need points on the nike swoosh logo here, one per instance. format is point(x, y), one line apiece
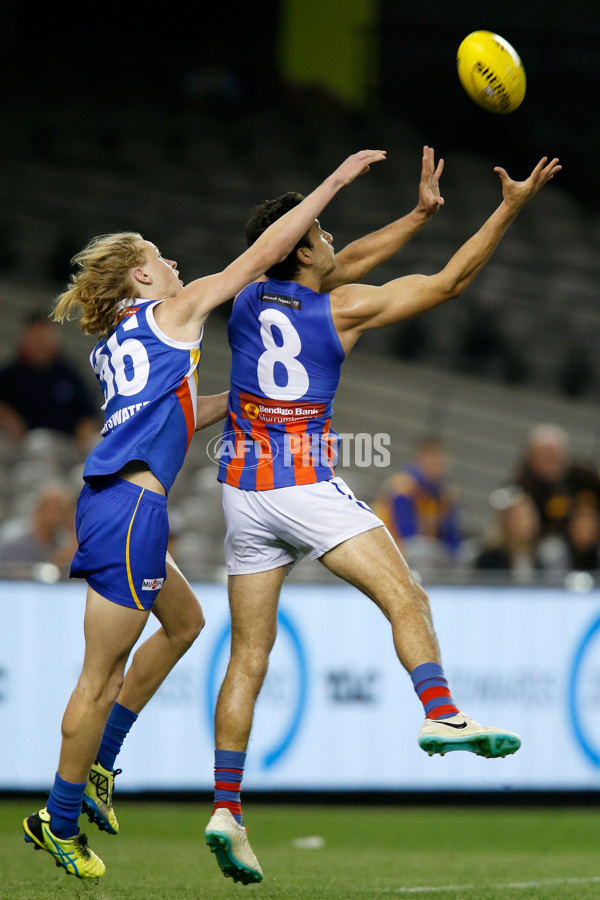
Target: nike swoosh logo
point(453, 724)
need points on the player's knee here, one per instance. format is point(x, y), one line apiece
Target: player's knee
point(409, 599)
point(192, 627)
point(419, 594)
point(96, 693)
point(250, 661)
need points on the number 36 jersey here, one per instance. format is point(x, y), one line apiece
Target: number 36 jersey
point(286, 366)
point(150, 386)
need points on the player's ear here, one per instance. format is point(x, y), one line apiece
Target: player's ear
point(304, 255)
point(140, 276)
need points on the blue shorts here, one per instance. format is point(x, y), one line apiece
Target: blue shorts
point(122, 532)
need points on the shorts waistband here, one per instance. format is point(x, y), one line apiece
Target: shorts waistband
point(103, 482)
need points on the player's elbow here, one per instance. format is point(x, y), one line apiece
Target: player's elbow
point(448, 287)
point(440, 289)
point(271, 252)
point(455, 289)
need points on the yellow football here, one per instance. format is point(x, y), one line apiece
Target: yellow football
point(491, 72)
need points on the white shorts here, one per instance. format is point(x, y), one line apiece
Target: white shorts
point(267, 529)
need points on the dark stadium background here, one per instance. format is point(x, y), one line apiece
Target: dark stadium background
point(89, 61)
point(94, 58)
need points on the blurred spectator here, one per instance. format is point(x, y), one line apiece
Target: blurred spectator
point(555, 482)
point(513, 543)
point(583, 539)
point(419, 507)
point(49, 534)
point(41, 389)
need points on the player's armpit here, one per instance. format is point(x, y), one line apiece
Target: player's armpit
point(357, 308)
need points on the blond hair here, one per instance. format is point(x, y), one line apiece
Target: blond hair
point(102, 281)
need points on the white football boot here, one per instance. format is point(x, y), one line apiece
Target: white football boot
point(459, 732)
point(228, 840)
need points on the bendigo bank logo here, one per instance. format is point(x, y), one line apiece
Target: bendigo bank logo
point(276, 412)
point(251, 410)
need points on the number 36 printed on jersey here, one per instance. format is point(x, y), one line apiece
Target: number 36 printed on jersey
point(122, 368)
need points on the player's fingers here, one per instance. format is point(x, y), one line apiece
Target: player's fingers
point(553, 165)
point(370, 155)
point(553, 172)
point(376, 156)
point(540, 166)
point(440, 168)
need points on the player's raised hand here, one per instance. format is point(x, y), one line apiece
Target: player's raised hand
point(430, 199)
point(357, 164)
point(517, 193)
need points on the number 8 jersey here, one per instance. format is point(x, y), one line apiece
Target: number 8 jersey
point(150, 386)
point(286, 366)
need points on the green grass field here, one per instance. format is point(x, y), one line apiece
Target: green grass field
point(368, 853)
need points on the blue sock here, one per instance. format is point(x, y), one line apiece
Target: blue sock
point(432, 689)
point(229, 771)
point(116, 730)
point(64, 806)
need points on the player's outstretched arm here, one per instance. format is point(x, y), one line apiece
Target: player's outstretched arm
point(360, 257)
point(358, 308)
point(211, 409)
point(195, 301)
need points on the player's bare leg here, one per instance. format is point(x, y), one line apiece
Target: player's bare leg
point(253, 601)
point(372, 562)
point(180, 615)
point(110, 633)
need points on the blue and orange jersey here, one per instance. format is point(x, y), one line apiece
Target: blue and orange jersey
point(150, 387)
point(286, 366)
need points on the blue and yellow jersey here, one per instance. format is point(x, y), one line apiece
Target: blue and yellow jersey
point(150, 387)
point(286, 366)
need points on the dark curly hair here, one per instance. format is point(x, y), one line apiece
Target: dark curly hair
point(264, 215)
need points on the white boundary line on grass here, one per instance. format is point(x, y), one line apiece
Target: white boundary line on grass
point(511, 885)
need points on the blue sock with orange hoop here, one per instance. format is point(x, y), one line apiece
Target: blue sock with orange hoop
point(229, 771)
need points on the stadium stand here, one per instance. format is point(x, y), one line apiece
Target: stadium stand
point(517, 349)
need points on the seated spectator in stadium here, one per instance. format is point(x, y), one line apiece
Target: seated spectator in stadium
point(513, 543)
point(41, 389)
point(583, 539)
point(419, 507)
point(49, 536)
point(554, 480)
